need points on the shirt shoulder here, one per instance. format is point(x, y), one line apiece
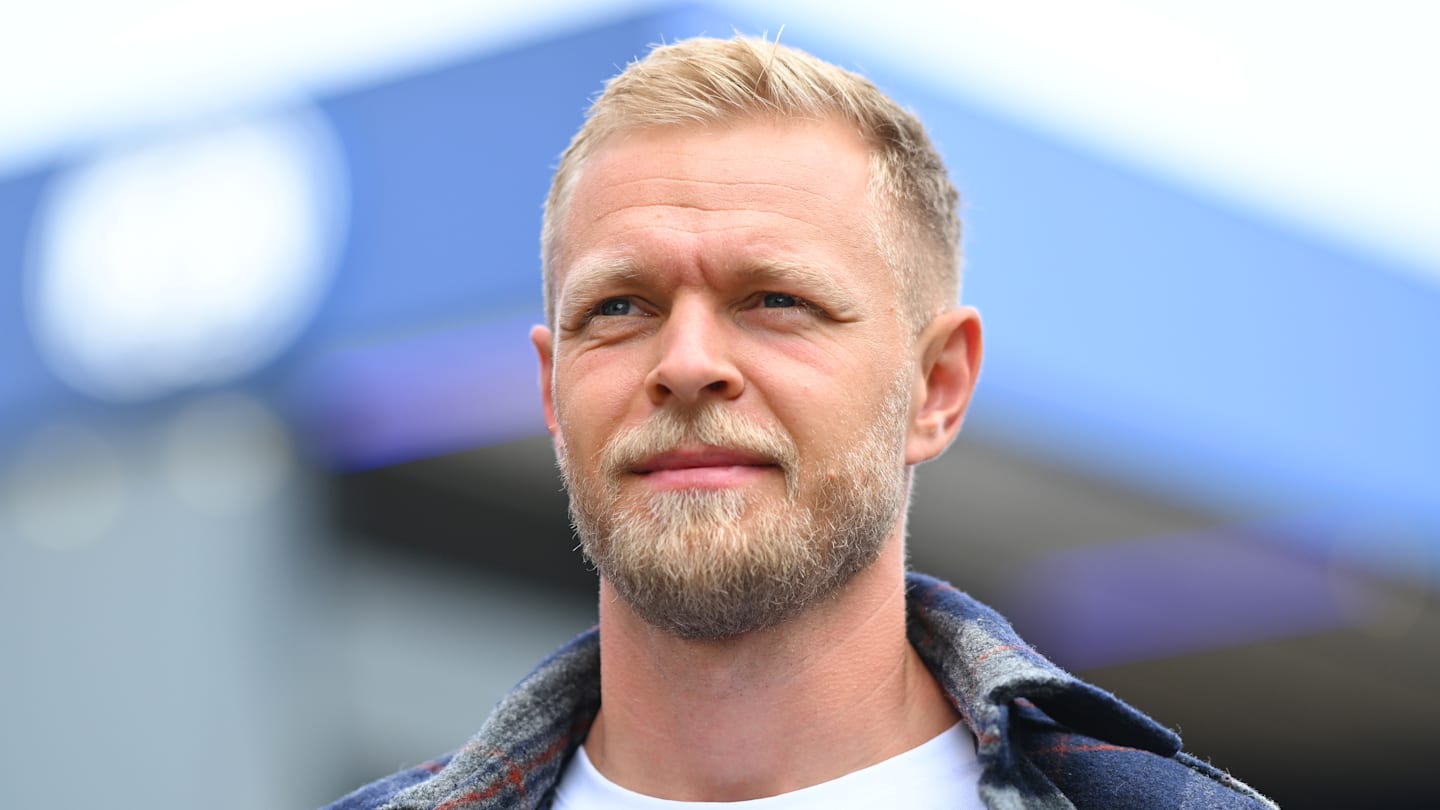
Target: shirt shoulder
point(1093, 773)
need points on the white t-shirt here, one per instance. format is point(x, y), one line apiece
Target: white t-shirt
point(941, 774)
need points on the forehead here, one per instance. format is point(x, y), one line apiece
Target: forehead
point(800, 152)
point(758, 185)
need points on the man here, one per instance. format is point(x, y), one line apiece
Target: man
point(750, 269)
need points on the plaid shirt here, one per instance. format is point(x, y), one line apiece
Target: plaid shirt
point(1045, 739)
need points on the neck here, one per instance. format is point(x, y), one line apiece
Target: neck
point(834, 690)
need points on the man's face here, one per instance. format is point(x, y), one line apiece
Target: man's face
point(731, 370)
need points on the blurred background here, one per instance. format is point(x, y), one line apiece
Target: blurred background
point(277, 511)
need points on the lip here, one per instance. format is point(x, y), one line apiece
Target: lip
point(698, 457)
point(703, 468)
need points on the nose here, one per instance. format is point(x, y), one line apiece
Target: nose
point(695, 361)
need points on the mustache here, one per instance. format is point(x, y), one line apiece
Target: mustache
point(711, 425)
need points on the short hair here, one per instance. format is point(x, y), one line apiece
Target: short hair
point(707, 81)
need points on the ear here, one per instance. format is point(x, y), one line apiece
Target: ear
point(545, 347)
point(949, 353)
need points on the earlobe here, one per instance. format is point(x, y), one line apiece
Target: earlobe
point(545, 348)
point(949, 353)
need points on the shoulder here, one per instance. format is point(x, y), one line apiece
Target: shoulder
point(1041, 731)
point(379, 793)
point(1093, 773)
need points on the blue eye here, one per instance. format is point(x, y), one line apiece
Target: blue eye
point(614, 306)
point(780, 301)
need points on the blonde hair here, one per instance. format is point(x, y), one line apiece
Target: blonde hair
point(706, 81)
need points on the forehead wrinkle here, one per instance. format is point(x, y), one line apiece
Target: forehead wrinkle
point(737, 187)
point(803, 210)
point(618, 197)
point(745, 219)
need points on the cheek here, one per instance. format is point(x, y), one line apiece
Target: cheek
point(592, 397)
point(826, 407)
point(806, 401)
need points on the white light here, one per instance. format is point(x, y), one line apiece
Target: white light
point(185, 261)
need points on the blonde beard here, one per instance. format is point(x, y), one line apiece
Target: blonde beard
point(714, 564)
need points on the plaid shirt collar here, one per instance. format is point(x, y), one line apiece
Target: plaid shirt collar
point(988, 672)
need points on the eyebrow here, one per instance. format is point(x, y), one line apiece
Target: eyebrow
point(585, 282)
point(808, 281)
point(594, 278)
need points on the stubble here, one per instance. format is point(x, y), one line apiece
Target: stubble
point(714, 564)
